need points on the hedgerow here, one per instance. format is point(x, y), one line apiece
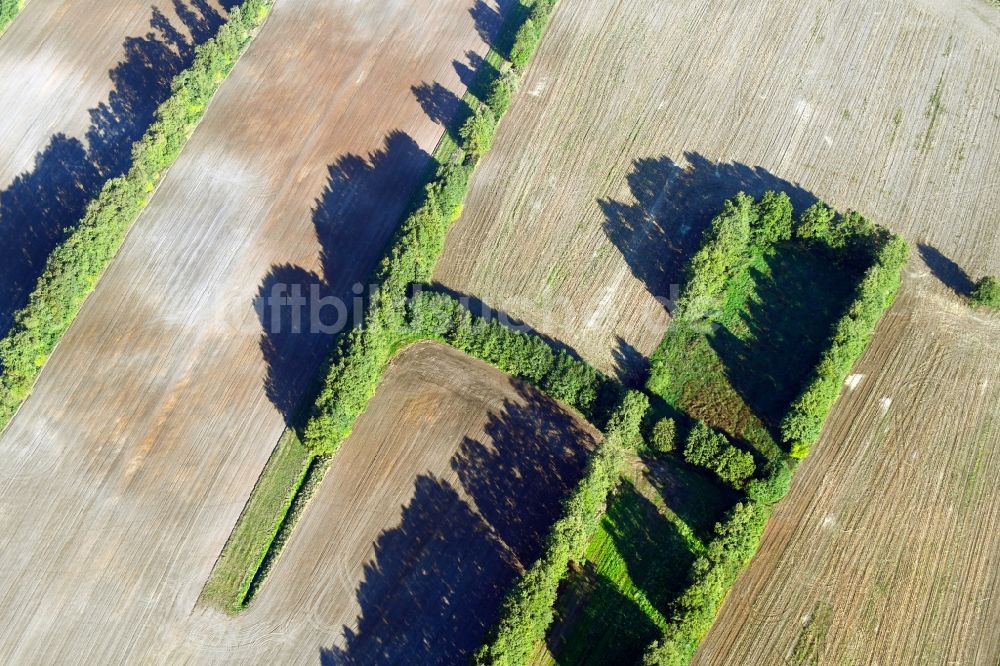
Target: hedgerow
point(803, 424)
point(74, 266)
point(708, 448)
point(528, 610)
point(734, 543)
point(361, 356)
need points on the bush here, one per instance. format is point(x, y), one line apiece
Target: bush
point(708, 448)
point(774, 219)
point(527, 610)
point(8, 10)
point(664, 437)
point(477, 132)
point(987, 293)
point(74, 267)
point(772, 489)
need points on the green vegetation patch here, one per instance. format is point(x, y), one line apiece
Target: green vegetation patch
point(8, 10)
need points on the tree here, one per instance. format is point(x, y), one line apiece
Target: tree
point(987, 293)
point(501, 92)
point(664, 438)
point(814, 224)
point(773, 488)
point(477, 132)
point(734, 466)
point(774, 219)
point(703, 445)
point(525, 42)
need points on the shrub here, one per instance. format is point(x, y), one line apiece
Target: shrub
point(774, 219)
point(773, 488)
point(8, 10)
point(527, 610)
point(477, 132)
point(664, 437)
point(987, 293)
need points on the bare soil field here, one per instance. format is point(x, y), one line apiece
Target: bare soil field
point(442, 494)
point(127, 468)
point(886, 549)
point(80, 84)
point(638, 120)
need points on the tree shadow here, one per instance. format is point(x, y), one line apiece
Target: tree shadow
point(442, 106)
point(697, 498)
point(946, 270)
point(300, 311)
point(39, 207)
point(772, 347)
point(533, 454)
point(498, 25)
point(434, 588)
point(630, 365)
point(438, 579)
point(661, 229)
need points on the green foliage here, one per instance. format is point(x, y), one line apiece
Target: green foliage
point(664, 437)
point(361, 356)
point(8, 10)
point(527, 610)
point(774, 219)
point(803, 424)
point(501, 93)
point(772, 489)
point(525, 42)
point(567, 379)
point(987, 293)
point(74, 266)
point(735, 541)
point(477, 132)
point(708, 448)
point(814, 224)
point(725, 251)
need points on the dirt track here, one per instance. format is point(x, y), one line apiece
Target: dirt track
point(639, 119)
point(444, 490)
point(125, 471)
point(80, 83)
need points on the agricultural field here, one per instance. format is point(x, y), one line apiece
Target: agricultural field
point(438, 499)
point(80, 84)
point(614, 165)
point(152, 420)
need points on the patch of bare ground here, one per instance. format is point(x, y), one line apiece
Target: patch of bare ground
point(441, 496)
point(126, 469)
point(638, 120)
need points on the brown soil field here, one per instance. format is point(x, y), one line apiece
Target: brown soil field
point(80, 84)
point(638, 120)
point(127, 468)
point(442, 494)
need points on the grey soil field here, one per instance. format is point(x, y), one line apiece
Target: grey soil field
point(127, 468)
point(442, 494)
point(636, 122)
point(80, 83)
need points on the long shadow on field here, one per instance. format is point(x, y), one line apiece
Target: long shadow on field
point(40, 206)
point(946, 270)
point(442, 106)
point(301, 310)
point(489, 20)
point(650, 552)
point(437, 580)
point(659, 229)
point(798, 299)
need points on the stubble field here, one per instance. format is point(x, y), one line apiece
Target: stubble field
point(635, 124)
point(128, 466)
